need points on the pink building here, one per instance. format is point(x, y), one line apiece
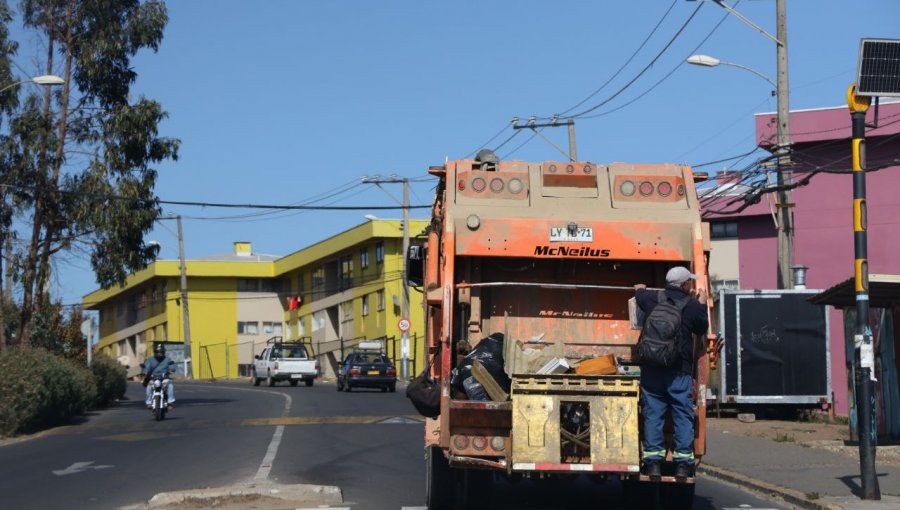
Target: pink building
point(744, 253)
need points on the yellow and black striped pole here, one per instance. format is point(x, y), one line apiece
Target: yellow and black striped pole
point(864, 353)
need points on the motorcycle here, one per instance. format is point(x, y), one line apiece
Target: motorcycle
point(159, 401)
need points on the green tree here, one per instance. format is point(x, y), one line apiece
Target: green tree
point(8, 101)
point(80, 156)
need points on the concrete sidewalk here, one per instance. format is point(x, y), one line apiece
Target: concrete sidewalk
point(807, 477)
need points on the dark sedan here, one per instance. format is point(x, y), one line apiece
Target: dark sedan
point(362, 369)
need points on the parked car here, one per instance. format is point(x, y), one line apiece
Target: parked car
point(367, 368)
point(284, 361)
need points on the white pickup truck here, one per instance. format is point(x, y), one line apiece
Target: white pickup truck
point(284, 361)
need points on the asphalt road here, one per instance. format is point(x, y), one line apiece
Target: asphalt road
point(366, 442)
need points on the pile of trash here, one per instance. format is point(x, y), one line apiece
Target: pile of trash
point(482, 374)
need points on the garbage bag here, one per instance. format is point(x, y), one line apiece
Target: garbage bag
point(475, 390)
point(490, 353)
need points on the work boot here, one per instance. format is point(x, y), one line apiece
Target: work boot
point(684, 470)
point(652, 468)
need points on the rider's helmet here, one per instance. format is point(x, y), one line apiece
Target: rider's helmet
point(159, 351)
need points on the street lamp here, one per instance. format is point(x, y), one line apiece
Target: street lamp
point(46, 79)
point(707, 61)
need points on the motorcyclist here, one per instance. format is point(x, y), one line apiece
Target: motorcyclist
point(159, 364)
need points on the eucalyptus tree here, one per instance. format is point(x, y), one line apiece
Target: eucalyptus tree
point(81, 155)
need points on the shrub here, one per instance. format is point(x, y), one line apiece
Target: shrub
point(39, 389)
point(110, 378)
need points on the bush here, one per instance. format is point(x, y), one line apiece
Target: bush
point(39, 389)
point(110, 378)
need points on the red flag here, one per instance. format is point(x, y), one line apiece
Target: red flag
point(293, 303)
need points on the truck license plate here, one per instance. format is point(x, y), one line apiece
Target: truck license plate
point(296, 376)
point(563, 234)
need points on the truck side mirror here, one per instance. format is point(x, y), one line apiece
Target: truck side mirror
point(257, 356)
point(415, 265)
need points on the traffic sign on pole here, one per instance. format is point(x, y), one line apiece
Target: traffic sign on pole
point(403, 324)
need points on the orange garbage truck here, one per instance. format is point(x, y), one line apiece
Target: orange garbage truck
point(528, 281)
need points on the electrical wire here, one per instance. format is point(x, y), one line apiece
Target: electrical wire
point(633, 55)
point(644, 70)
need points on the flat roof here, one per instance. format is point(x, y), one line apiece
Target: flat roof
point(884, 292)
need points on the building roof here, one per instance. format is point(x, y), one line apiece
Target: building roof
point(884, 292)
point(257, 265)
point(825, 124)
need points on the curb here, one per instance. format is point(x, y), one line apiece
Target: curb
point(286, 494)
point(792, 496)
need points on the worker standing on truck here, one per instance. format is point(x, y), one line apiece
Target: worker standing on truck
point(670, 385)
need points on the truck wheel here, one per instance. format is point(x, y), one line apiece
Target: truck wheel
point(270, 381)
point(438, 480)
point(253, 378)
point(473, 489)
point(309, 382)
point(678, 496)
point(294, 383)
point(641, 495)
point(340, 387)
point(392, 388)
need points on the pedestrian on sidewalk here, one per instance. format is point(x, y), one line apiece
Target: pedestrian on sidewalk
point(666, 381)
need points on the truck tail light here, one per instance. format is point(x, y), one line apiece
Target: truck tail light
point(648, 188)
point(275, 366)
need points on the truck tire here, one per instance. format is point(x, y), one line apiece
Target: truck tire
point(294, 382)
point(253, 378)
point(678, 496)
point(439, 486)
point(269, 380)
point(473, 489)
point(309, 382)
point(641, 495)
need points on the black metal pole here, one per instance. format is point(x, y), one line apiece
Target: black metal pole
point(864, 353)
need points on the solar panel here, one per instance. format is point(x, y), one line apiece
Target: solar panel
point(878, 72)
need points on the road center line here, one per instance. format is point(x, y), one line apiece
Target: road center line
point(265, 466)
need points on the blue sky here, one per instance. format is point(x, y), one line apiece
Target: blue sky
point(279, 101)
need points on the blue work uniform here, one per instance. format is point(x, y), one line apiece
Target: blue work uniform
point(664, 388)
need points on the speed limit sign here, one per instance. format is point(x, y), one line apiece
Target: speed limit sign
point(403, 324)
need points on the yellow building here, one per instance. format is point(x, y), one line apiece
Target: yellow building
point(331, 294)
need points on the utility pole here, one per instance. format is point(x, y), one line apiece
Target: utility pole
point(188, 373)
point(404, 336)
point(404, 309)
point(783, 150)
point(864, 346)
point(785, 174)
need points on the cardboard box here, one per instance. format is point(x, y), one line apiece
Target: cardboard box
point(604, 365)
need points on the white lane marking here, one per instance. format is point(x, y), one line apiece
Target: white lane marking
point(399, 420)
point(78, 467)
point(265, 467)
point(413, 508)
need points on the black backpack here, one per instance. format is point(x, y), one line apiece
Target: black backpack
point(658, 344)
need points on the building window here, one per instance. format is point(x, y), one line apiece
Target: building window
point(379, 297)
point(248, 285)
point(301, 327)
point(346, 272)
point(318, 278)
point(318, 320)
point(248, 328)
point(347, 310)
point(272, 328)
point(365, 305)
point(723, 229)
point(364, 258)
point(379, 252)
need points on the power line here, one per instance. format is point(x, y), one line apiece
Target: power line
point(644, 70)
point(216, 204)
point(616, 74)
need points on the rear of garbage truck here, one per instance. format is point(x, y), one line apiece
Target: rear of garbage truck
point(528, 280)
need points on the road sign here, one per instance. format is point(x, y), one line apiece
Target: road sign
point(403, 324)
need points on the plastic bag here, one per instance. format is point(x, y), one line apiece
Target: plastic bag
point(490, 353)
